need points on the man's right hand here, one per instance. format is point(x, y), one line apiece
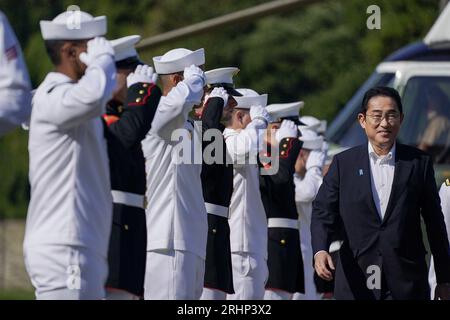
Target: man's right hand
point(288, 129)
point(259, 112)
point(194, 71)
point(96, 48)
point(218, 93)
point(316, 158)
point(142, 74)
point(323, 264)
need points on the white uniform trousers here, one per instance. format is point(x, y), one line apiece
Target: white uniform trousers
point(117, 294)
point(213, 294)
point(66, 272)
point(250, 274)
point(308, 269)
point(173, 275)
point(277, 295)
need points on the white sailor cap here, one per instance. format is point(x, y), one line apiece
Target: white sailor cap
point(311, 140)
point(73, 25)
point(322, 127)
point(222, 77)
point(280, 111)
point(124, 47)
point(176, 60)
point(250, 98)
point(309, 123)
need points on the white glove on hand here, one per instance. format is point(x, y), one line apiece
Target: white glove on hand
point(142, 74)
point(325, 147)
point(218, 93)
point(288, 129)
point(259, 112)
point(316, 158)
point(96, 48)
point(194, 71)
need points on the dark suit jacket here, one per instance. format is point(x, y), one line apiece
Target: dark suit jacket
point(394, 243)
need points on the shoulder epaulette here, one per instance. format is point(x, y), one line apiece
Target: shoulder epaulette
point(286, 147)
point(139, 93)
point(447, 182)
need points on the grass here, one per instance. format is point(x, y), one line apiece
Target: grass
point(16, 294)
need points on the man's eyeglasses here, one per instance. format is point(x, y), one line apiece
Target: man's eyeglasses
point(391, 118)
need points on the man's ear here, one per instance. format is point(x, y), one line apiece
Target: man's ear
point(240, 117)
point(70, 50)
point(177, 78)
point(362, 120)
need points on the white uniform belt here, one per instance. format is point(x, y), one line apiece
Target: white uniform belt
point(217, 210)
point(282, 223)
point(127, 198)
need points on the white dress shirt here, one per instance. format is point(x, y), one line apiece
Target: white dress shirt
point(381, 177)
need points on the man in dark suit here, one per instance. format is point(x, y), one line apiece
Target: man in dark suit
point(377, 193)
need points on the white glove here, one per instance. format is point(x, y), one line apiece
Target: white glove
point(325, 147)
point(218, 93)
point(142, 74)
point(194, 71)
point(259, 112)
point(288, 129)
point(96, 48)
point(316, 158)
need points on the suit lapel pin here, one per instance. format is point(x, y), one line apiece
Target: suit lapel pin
point(361, 172)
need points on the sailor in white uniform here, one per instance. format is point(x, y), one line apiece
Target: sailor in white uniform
point(69, 215)
point(444, 194)
point(248, 224)
point(176, 216)
point(307, 179)
point(15, 86)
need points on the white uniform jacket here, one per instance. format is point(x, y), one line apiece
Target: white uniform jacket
point(176, 214)
point(306, 190)
point(248, 222)
point(71, 200)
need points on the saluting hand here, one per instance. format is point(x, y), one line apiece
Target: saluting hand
point(218, 93)
point(142, 74)
point(323, 264)
point(259, 112)
point(96, 48)
point(194, 71)
point(288, 129)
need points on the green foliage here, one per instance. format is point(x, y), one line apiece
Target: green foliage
point(16, 295)
point(320, 54)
